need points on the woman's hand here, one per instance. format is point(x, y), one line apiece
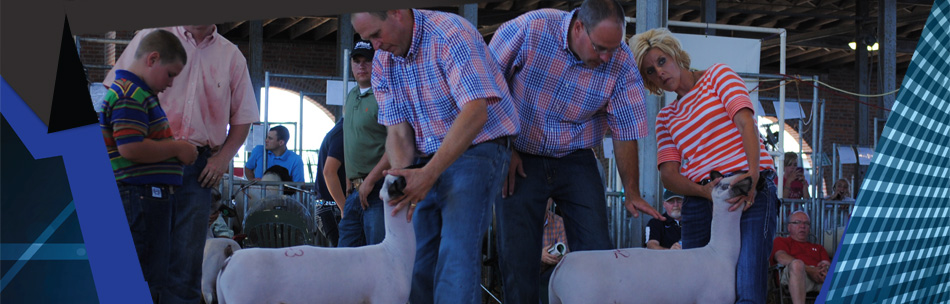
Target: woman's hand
point(745, 201)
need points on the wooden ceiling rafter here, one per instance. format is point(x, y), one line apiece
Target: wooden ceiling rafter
point(818, 30)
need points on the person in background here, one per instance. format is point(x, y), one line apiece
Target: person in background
point(796, 186)
point(554, 235)
point(806, 264)
point(666, 234)
point(331, 180)
point(365, 150)
point(277, 154)
point(842, 191)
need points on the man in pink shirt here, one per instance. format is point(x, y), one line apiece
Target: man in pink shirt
point(212, 106)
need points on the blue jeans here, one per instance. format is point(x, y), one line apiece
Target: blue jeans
point(757, 227)
point(362, 227)
point(450, 223)
point(191, 207)
point(574, 183)
point(149, 216)
point(328, 221)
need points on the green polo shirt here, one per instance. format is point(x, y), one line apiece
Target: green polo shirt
point(364, 139)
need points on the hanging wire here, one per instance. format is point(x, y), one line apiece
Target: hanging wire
point(831, 89)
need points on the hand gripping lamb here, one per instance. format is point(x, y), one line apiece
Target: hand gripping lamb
point(640, 275)
point(378, 273)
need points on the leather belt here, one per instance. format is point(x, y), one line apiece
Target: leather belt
point(356, 182)
point(170, 189)
point(503, 141)
point(207, 149)
point(759, 185)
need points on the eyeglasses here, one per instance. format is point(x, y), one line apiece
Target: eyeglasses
point(800, 223)
point(597, 48)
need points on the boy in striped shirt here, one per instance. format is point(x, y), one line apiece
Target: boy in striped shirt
point(146, 160)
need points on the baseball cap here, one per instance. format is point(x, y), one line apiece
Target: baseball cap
point(363, 48)
point(667, 195)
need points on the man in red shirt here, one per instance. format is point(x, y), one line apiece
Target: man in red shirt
point(806, 264)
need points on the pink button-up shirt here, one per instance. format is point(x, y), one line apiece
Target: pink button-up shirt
point(213, 89)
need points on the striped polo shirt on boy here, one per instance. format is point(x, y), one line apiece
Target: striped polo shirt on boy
point(697, 130)
point(131, 113)
point(447, 65)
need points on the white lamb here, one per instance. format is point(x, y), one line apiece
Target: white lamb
point(640, 275)
point(378, 273)
point(217, 250)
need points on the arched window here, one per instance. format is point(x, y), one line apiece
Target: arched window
point(284, 109)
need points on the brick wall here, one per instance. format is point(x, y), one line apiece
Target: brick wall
point(313, 59)
point(841, 114)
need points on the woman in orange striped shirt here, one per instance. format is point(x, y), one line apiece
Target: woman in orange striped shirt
point(710, 127)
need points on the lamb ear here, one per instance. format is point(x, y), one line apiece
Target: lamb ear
point(742, 187)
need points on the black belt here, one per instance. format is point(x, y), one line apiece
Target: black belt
point(170, 189)
point(504, 141)
point(759, 186)
point(204, 149)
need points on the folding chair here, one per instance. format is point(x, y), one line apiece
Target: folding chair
point(276, 228)
point(781, 292)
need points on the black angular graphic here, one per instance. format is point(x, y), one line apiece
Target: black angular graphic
point(72, 105)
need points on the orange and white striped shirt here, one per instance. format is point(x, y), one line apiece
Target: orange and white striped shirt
point(697, 130)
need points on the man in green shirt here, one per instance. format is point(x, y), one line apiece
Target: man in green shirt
point(364, 141)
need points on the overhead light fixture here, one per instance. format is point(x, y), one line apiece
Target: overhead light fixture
point(853, 46)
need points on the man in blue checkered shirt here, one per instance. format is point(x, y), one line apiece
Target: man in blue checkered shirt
point(445, 104)
point(571, 76)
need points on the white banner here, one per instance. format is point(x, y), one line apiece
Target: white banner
point(740, 54)
point(793, 110)
point(335, 93)
point(846, 155)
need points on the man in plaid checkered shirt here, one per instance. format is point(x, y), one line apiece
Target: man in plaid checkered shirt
point(571, 77)
point(445, 104)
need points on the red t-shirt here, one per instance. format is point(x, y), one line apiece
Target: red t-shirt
point(810, 254)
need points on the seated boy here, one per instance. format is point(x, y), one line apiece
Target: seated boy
point(146, 160)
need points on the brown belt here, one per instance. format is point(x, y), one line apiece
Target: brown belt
point(356, 182)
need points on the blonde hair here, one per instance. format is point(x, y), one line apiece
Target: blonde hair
point(662, 39)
